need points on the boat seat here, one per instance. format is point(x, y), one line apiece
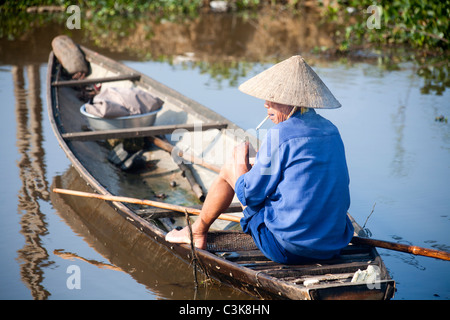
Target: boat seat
point(229, 241)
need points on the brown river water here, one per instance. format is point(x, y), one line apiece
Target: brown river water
point(398, 154)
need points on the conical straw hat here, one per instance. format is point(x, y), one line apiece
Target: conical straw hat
point(291, 82)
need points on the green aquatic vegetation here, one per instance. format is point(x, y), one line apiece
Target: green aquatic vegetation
point(409, 30)
point(420, 24)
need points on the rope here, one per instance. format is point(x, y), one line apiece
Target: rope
point(195, 260)
point(295, 109)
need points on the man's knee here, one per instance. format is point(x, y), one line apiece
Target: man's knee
point(227, 173)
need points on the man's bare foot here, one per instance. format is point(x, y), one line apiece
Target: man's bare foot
point(183, 236)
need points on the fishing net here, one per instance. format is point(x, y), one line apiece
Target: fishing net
point(229, 241)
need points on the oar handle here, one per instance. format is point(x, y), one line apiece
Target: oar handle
point(146, 202)
point(443, 255)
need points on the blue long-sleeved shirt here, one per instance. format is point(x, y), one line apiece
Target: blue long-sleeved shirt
point(300, 183)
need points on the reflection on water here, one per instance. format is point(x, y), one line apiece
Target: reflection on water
point(33, 255)
point(217, 38)
point(73, 256)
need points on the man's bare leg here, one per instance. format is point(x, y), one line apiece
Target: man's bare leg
point(217, 201)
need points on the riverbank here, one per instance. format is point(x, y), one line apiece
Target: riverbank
point(358, 24)
point(226, 45)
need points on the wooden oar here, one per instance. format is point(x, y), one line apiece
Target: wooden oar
point(403, 248)
point(151, 203)
point(355, 240)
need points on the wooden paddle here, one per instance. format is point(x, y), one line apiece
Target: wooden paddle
point(403, 248)
point(151, 203)
point(355, 240)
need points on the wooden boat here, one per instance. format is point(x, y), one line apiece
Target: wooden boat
point(231, 257)
point(125, 248)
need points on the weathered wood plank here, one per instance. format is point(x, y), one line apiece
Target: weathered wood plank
point(324, 278)
point(85, 82)
point(294, 271)
point(138, 132)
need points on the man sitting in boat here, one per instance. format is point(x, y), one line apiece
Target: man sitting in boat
point(296, 195)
